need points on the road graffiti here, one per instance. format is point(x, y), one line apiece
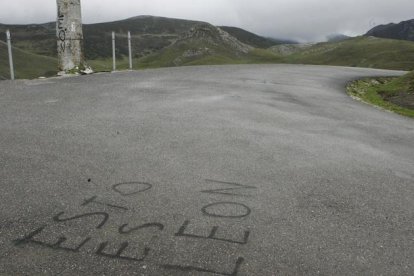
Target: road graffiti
point(120, 248)
point(212, 236)
point(131, 188)
point(93, 200)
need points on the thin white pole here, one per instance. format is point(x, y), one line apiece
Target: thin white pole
point(130, 50)
point(10, 55)
point(113, 52)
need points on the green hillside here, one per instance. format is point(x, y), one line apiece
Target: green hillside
point(356, 52)
point(27, 65)
point(160, 42)
point(35, 38)
point(206, 44)
point(149, 35)
point(359, 52)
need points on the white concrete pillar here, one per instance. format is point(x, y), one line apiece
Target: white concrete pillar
point(70, 37)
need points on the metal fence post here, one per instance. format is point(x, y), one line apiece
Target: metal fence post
point(130, 50)
point(10, 55)
point(113, 52)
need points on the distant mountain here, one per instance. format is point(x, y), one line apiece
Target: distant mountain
point(149, 35)
point(253, 39)
point(159, 42)
point(281, 41)
point(337, 37)
point(402, 31)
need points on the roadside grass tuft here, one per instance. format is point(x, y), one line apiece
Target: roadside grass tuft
point(379, 91)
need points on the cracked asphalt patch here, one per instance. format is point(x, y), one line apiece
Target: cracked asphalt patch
point(215, 170)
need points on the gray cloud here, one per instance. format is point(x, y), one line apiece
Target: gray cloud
point(305, 20)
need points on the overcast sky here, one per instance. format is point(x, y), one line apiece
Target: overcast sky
point(304, 20)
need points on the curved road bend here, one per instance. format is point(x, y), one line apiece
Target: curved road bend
point(221, 170)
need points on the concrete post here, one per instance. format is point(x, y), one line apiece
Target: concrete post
point(70, 37)
point(113, 52)
point(130, 50)
point(10, 55)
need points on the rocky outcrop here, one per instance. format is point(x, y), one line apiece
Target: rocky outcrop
point(403, 31)
point(210, 35)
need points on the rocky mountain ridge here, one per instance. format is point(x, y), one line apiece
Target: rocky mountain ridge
point(402, 31)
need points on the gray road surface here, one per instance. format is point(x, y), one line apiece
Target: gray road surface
point(221, 170)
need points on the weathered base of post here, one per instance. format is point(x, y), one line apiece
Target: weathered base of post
point(82, 70)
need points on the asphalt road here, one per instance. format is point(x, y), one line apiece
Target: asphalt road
point(221, 170)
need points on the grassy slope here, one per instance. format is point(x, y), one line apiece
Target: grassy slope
point(27, 65)
point(37, 38)
point(149, 33)
point(394, 94)
point(152, 35)
point(357, 52)
point(360, 52)
point(210, 50)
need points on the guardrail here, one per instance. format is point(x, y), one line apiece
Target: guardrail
point(114, 51)
point(10, 53)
